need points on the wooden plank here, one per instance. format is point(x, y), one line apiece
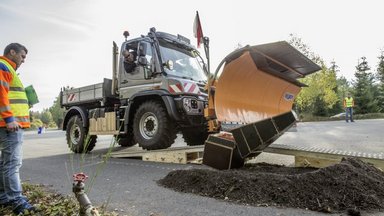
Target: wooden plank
point(181, 155)
point(171, 156)
point(303, 157)
point(92, 125)
point(318, 162)
point(135, 150)
point(104, 132)
point(322, 158)
point(103, 126)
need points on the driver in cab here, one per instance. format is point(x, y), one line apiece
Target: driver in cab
point(129, 61)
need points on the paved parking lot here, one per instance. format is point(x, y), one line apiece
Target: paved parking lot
point(129, 185)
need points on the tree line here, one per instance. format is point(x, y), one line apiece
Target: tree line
point(49, 118)
point(326, 90)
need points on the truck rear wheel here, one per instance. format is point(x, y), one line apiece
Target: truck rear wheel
point(152, 127)
point(77, 138)
point(194, 136)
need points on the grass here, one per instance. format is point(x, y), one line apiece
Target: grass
point(48, 202)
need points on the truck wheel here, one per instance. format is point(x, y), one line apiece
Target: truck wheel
point(194, 136)
point(152, 127)
point(77, 138)
point(126, 140)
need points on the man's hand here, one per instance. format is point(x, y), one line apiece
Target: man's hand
point(13, 126)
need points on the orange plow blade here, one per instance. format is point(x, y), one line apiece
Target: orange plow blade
point(260, 82)
point(252, 100)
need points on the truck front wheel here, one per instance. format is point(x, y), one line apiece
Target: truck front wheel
point(194, 136)
point(126, 140)
point(152, 127)
point(77, 138)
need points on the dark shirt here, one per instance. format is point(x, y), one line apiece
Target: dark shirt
point(129, 67)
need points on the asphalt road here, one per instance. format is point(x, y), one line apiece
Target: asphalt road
point(129, 186)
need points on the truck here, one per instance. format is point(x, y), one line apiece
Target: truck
point(171, 90)
point(165, 95)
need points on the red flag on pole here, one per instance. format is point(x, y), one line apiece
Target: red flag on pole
point(197, 30)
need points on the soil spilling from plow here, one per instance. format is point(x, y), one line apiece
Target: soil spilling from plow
point(351, 185)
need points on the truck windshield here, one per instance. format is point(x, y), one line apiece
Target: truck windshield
point(186, 63)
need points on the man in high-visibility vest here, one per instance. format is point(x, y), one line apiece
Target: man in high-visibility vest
point(349, 103)
point(14, 118)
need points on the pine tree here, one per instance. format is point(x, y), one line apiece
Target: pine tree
point(380, 77)
point(340, 88)
point(363, 86)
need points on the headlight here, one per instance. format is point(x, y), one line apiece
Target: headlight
point(193, 106)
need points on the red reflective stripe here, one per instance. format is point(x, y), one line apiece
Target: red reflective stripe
point(175, 88)
point(191, 88)
point(71, 97)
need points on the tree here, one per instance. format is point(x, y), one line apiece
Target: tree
point(380, 87)
point(320, 98)
point(363, 88)
point(57, 112)
point(46, 117)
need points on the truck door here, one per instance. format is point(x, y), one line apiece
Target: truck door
point(131, 82)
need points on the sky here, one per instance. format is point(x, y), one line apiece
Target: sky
point(70, 41)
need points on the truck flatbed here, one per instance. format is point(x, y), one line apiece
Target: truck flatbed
point(87, 94)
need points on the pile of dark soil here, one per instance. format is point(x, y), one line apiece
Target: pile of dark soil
point(350, 185)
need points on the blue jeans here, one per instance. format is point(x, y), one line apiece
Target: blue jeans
point(10, 163)
point(349, 110)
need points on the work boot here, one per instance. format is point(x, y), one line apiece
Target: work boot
point(23, 207)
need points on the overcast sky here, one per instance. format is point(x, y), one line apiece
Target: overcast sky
point(70, 41)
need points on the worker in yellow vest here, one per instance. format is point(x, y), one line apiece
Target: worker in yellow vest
point(349, 103)
point(14, 118)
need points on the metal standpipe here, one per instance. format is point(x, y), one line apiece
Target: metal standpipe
point(86, 208)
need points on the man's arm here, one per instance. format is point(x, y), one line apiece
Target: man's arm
point(5, 108)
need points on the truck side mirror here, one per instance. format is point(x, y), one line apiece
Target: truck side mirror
point(142, 49)
point(142, 61)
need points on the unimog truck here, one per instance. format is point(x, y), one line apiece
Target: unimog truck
point(163, 96)
point(171, 90)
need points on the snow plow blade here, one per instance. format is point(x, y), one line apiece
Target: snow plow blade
point(253, 99)
point(259, 82)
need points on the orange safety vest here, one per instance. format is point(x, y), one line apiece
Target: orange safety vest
point(13, 99)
